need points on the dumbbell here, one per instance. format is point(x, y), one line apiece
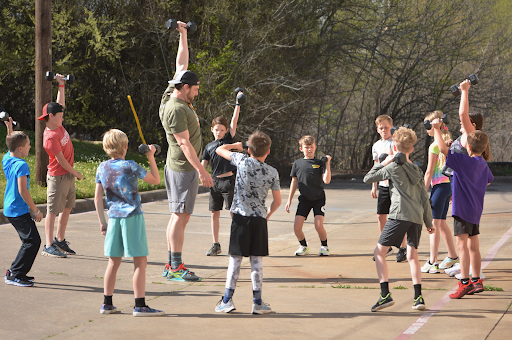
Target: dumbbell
point(144, 148)
point(473, 79)
point(394, 128)
point(173, 24)
point(4, 117)
point(240, 98)
point(399, 158)
point(428, 125)
point(69, 78)
point(245, 145)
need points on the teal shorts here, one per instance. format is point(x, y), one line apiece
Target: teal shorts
point(126, 236)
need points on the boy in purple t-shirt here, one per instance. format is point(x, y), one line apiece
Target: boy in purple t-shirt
point(471, 175)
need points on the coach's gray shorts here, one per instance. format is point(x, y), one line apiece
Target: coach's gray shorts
point(182, 190)
point(395, 230)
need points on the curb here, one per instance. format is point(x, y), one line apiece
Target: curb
point(87, 204)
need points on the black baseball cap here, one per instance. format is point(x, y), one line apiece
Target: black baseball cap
point(185, 77)
point(51, 107)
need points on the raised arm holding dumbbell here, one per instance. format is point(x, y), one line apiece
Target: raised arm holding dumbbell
point(182, 55)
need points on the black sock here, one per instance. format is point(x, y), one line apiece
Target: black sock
point(303, 242)
point(169, 257)
point(417, 291)
point(464, 281)
point(384, 289)
point(474, 279)
point(454, 258)
point(324, 243)
point(140, 302)
point(107, 300)
point(175, 260)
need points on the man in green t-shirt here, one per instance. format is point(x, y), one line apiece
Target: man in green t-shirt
point(183, 168)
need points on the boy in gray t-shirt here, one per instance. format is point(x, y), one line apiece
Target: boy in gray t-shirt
point(249, 235)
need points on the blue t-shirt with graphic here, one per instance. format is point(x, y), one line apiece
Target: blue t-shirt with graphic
point(119, 180)
point(14, 168)
point(253, 179)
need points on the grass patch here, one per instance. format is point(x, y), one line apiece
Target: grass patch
point(353, 287)
point(282, 286)
point(491, 288)
point(54, 273)
point(158, 283)
point(303, 286)
point(400, 287)
point(88, 155)
point(98, 277)
point(433, 288)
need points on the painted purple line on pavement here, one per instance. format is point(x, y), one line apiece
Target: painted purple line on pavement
point(422, 320)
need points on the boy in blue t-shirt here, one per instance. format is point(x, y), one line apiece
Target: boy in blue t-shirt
point(19, 207)
point(222, 173)
point(125, 233)
point(471, 176)
point(249, 234)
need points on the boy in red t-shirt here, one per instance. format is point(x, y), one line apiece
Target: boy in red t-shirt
point(61, 191)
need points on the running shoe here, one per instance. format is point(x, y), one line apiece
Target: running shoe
point(462, 289)
point(108, 309)
point(18, 282)
point(167, 269)
point(182, 274)
point(419, 303)
point(448, 263)
point(225, 307)
point(53, 251)
point(383, 303)
point(434, 269)
point(214, 250)
point(324, 251)
point(147, 311)
point(63, 246)
point(401, 256)
point(459, 275)
point(453, 270)
point(303, 250)
point(478, 287)
point(24, 277)
point(427, 266)
point(264, 308)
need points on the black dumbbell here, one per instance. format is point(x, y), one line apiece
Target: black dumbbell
point(394, 128)
point(4, 117)
point(144, 148)
point(473, 79)
point(245, 145)
point(399, 158)
point(173, 24)
point(69, 78)
point(240, 98)
point(428, 125)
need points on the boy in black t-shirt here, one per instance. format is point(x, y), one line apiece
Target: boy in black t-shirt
point(222, 173)
point(309, 174)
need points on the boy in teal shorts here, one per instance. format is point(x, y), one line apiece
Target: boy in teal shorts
point(126, 229)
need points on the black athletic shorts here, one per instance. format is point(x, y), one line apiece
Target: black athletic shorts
point(306, 205)
point(222, 192)
point(463, 227)
point(384, 201)
point(395, 230)
point(249, 236)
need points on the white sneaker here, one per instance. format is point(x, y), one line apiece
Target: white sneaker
point(303, 250)
point(453, 270)
point(448, 263)
point(434, 269)
point(324, 251)
point(427, 266)
point(458, 276)
point(261, 309)
point(225, 307)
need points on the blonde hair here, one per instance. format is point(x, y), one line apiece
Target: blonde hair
point(114, 142)
point(444, 132)
point(382, 118)
point(306, 140)
point(404, 139)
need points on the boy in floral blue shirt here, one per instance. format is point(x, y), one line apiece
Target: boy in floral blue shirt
point(126, 229)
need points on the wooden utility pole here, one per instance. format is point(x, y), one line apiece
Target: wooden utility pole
point(43, 87)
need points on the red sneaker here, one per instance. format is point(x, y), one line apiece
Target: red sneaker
point(478, 287)
point(462, 290)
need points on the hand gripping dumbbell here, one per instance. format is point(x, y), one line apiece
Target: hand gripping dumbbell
point(4, 117)
point(394, 128)
point(172, 24)
point(473, 79)
point(399, 158)
point(240, 98)
point(69, 78)
point(144, 148)
point(428, 124)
